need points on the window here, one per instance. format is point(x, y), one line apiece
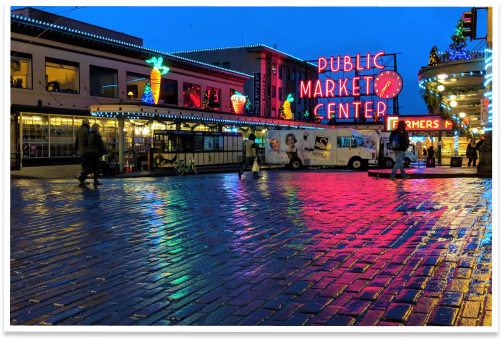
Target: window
point(274, 91)
point(288, 74)
point(216, 64)
point(20, 71)
point(280, 72)
point(298, 98)
point(268, 68)
point(298, 76)
point(343, 142)
point(35, 136)
point(212, 98)
point(280, 94)
point(191, 95)
point(273, 69)
point(169, 92)
point(226, 65)
point(61, 76)
point(61, 133)
point(268, 91)
point(136, 84)
point(103, 82)
point(273, 112)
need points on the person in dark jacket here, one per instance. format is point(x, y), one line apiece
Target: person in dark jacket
point(403, 138)
point(424, 152)
point(431, 153)
point(251, 156)
point(80, 146)
point(480, 143)
point(95, 150)
point(471, 153)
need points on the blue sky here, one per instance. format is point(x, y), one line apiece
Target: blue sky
point(304, 32)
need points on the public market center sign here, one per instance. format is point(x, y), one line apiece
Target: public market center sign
point(386, 85)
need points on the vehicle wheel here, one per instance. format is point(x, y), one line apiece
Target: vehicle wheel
point(179, 171)
point(406, 162)
point(356, 163)
point(388, 163)
point(295, 163)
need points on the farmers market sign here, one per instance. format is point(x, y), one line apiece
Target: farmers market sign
point(419, 123)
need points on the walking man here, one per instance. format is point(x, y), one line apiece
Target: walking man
point(251, 156)
point(80, 148)
point(399, 142)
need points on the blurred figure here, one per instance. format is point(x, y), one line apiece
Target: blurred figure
point(95, 150)
point(471, 153)
point(80, 148)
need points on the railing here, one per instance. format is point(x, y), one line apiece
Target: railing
point(444, 57)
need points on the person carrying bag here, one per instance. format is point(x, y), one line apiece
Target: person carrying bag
point(251, 157)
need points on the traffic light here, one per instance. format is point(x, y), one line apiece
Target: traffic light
point(470, 24)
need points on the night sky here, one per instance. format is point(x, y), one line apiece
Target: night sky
point(306, 33)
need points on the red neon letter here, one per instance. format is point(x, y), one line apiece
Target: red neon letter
point(305, 91)
point(316, 108)
point(375, 60)
point(330, 111)
point(344, 110)
point(320, 68)
point(318, 90)
point(435, 124)
point(408, 124)
point(368, 61)
point(347, 61)
point(358, 62)
point(367, 84)
point(342, 86)
point(356, 86)
point(357, 108)
point(329, 90)
point(379, 111)
point(367, 109)
point(428, 124)
point(421, 124)
point(338, 64)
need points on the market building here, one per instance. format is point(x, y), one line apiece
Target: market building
point(76, 70)
point(460, 82)
point(276, 76)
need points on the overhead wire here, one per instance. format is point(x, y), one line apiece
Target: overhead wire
point(69, 11)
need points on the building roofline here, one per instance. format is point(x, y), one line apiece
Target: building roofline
point(87, 35)
point(245, 46)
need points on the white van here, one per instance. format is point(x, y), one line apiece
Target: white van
point(385, 154)
point(322, 147)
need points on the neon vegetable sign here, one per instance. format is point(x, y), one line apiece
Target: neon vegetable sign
point(238, 102)
point(155, 76)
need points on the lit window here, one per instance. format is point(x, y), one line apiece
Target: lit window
point(62, 75)
point(20, 71)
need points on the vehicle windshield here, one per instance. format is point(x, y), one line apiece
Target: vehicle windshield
point(357, 141)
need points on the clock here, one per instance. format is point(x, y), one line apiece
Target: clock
point(388, 84)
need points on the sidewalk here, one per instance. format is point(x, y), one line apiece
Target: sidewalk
point(419, 171)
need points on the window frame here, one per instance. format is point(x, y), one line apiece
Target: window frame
point(90, 83)
point(22, 55)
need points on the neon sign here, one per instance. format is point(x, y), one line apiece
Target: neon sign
point(155, 76)
point(489, 94)
point(386, 85)
point(238, 102)
point(419, 123)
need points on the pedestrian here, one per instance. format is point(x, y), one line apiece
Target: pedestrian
point(399, 139)
point(250, 156)
point(471, 153)
point(424, 152)
point(80, 148)
point(480, 143)
point(95, 150)
point(431, 153)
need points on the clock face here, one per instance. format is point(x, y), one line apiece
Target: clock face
point(388, 84)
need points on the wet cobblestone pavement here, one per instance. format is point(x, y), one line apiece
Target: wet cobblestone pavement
point(335, 248)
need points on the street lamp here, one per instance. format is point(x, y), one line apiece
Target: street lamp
point(442, 76)
point(441, 87)
point(462, 114)
point(453, 103)
point(475, 130)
